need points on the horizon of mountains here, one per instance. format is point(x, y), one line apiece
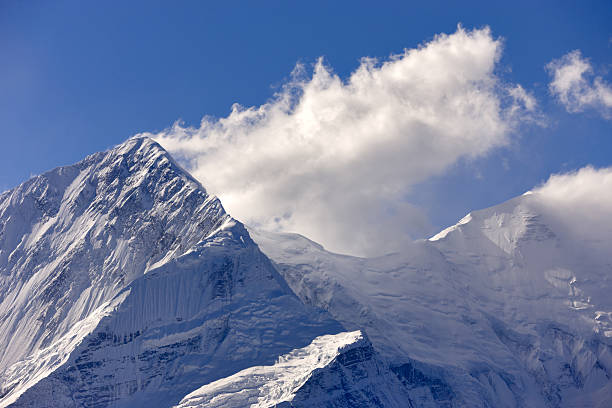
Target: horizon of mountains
point(123, 283)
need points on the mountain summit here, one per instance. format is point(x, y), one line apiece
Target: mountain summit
point(124, 283)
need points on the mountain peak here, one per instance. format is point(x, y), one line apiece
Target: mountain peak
point(73, 238)
point(141, 148)
point(141, 152)
point(124, 257)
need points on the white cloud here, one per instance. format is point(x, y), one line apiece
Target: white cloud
point(582, 201)
point(522, 98)
point(334, 159)
point(575, 86)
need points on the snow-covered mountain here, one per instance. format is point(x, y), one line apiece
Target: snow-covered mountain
point(123, 283)
point(508, 308)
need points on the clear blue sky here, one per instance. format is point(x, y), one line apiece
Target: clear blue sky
point(78, 77)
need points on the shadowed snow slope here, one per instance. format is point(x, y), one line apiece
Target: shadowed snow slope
point(123, 283)
point(333, 371)
point(508, 308)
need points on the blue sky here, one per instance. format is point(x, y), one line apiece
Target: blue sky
point(79, 77)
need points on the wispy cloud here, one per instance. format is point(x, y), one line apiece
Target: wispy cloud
point(333, 159)
point(576, 87)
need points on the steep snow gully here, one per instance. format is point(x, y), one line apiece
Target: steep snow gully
point(123, 283)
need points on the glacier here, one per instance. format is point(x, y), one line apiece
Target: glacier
point(124, 283)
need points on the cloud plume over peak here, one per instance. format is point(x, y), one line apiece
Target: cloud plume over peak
point(333, 159)
point(582, 201)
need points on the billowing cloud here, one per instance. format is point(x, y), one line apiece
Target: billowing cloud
point(334, 159)
point(574, 84)
point(581, 201)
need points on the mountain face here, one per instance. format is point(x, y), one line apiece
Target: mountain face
point(507, 308)
point(123, 283)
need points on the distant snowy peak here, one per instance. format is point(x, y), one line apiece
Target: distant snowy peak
point(505, 225)
point(339, 370)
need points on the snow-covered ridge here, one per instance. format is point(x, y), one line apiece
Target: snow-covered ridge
point(267, 386)
point(509, 307)
point(341, 370)
point(452, 228)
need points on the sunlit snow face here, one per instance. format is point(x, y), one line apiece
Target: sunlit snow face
point(334, 159)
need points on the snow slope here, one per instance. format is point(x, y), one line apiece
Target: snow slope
point(333, 371)
point(508, 308)
point(123, 283)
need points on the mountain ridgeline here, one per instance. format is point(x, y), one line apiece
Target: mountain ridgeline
point(123, 283)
